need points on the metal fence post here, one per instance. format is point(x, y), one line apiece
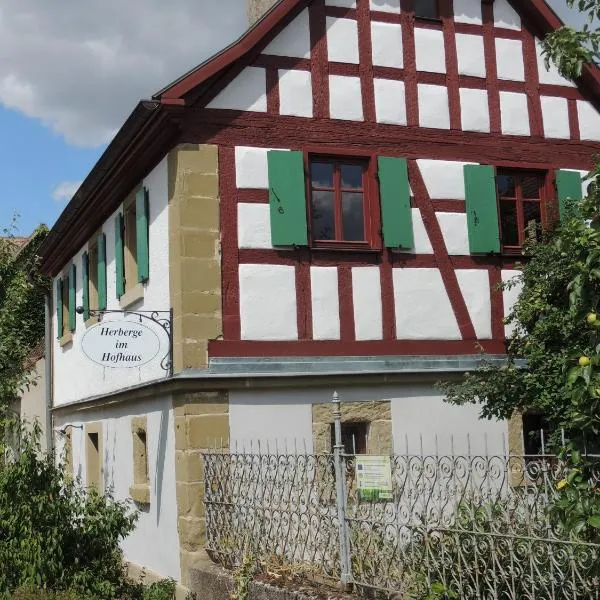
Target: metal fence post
point(340, 496)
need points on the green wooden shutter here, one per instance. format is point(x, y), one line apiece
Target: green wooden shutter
point(568, 187)
point(101, 272)
point(141, 233)
point(482, 209)
point(287, 197)
point(394, 193)
point(59, 308)
point(85, 277)
point(119, 256)
point(72, 313)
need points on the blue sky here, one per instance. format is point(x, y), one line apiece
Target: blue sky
point(70, 75)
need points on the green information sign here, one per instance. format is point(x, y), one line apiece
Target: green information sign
point(374, 477)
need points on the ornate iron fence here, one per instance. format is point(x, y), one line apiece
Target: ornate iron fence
point(468, 527)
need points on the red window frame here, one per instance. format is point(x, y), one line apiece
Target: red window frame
point(371, 216)
point(438, 11)
point(543, 201)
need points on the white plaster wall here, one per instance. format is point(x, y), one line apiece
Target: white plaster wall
point(366, 295)
point(251, 167)
point(423, 310)
point(345, 98)
point(325, 303)
point(342, 40)
point(390, 101)
point(419, 415)
point(392, 6)
point(505, 15)
point(254, 225)
point(444, 179)
point(155, 541)
point(280, 418)
point(551, 75)
point(455, 231)
point(294, 40)
point(510, 296)
point(470, 53)
point(268, 302)
point(514, 113)
point(589, 121)
point(430, 49)
point(474, 110)
point(387, 44)
point(555, 114)
point(75, 376)
point(474, 285)
point(433, 106)
point(468, 11)
point(509, 59)
point(421, 242)
point(342, 3)
point(247, 92)
point(295, 93)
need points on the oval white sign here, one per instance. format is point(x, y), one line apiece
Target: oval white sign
point(120, 344)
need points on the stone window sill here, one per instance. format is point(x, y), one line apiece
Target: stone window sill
point(66, 339)
point(131, 296)
point(140, 493)
point(91, 321)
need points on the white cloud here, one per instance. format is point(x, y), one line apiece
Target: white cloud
point(80, 67)
point(65, 190)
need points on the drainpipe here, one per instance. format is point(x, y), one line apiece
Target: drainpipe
point(48, 373)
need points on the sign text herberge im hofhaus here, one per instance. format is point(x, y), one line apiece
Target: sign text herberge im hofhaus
point(120, 344)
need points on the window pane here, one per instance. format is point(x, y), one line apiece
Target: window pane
point(508, 224)
point(531, 187)
point(506, 186)
point(532, 217)
point(352, 176)
point(353, 217)
point(323, 221)
point(426, 8)
point(321, 174)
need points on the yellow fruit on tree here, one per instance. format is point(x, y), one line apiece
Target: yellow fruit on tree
point(584, 361)
point(592, 318)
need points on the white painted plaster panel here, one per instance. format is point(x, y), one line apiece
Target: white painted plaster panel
point(505, 15)
point(390, 101)
point(280, 418)
point(392, 6)
point(251, 167)
point(423, 422)
point(345, 98)
point(433, 106)
point(589, 121)
point(294, 40)
point(514, 113)
point(509, 59)
point(551, 75)
point(248, 91)
point(159, 522)
point(444, 179)
point(366, 294)
point(475, 287)
point(510, 296)
point(455, 232)
point(268, 302)
point(423, 310)
point(468, 11)
point(474, 110)
point(295, 93)
point(386, 39)
point(555, 113)
point(422, 244)
point(470, 53)
point(431, 54)
point(342, 3)
point(75, 376)
point(342, 40)
point(325, 303)
point(254, 225)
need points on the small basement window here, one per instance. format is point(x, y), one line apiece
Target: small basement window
point(427, 9)
point(354, 437)
point(536, 432)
